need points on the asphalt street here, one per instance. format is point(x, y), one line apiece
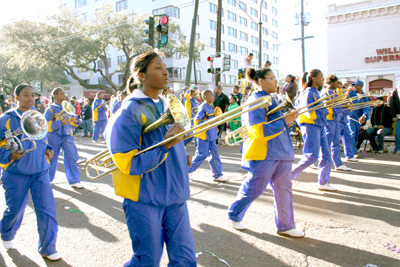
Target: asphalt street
point(349, 227)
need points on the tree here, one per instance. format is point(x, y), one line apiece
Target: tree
point(74, 44)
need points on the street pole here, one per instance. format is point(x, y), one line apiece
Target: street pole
point(260, 39)
point(218, 40)
point(2, 81)
point(191, 47)
point(303, 52)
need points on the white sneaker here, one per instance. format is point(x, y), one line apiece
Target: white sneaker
point(77, 186)
point(352, 159)
point(191, 176)
point(380, 152)
point(292, 232)
point(293, 133)
point(343, 168)
point(54, 257)
point(221, 179)
point(8, 244)
point(238, 225)
point(94, 141)
point(326, 187)
point(313, 166)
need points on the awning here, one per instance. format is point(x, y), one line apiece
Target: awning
point(90, 93)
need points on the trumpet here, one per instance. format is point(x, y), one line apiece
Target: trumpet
point(103, 159)
point(68, 111)
point(241, 134)
point(33, 125)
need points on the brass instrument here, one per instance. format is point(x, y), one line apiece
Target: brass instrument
point(68, 110)
point(33, 125)
point(363, 105)
point(103, 159)
point(241, 134)
point(217, 112)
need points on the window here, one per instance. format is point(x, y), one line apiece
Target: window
point(198, 75)
point(213, 8)
point(275, 35)
point(232, 2)
point(275, 47)
point(264, 18)
point(254, 26)
point(196, 36)
point(255, 54)
point(244, 51)
point(175, 73)
point(231, 16)
point(243, 36)
point(265, 44)
point(100, 63)
point(213, 25)
point(169, 10)
point(120, 78)
point(122, 5)
point(232, 32)
point(232, 48)
point(232, 79)
point(266, 57)
point(253, 12)
point(274, 11)
point(223, 28)
point(223, 78)
point(234, 64)
point(264, 5)
point(103, 81)
point(121, 59)
point(265, 31)
point(274, 23)
point(223, 45)
point(213, 42)
point(243, 21)
point(276, 61)
point(243, 6)
point(255, 1)
point(79, 3)
point(254, 40)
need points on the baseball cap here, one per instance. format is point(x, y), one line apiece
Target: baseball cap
point(358, 82)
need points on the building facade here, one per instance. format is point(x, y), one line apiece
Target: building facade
point(240, 35)
point(364, 43)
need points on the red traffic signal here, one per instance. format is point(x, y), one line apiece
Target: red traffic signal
point(164, 20)
point(209, 58)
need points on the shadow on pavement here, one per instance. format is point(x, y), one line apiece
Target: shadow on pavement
point(329, 252)
point(222, 243)
point(20, 260)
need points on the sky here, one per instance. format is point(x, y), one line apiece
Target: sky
point(289, 51)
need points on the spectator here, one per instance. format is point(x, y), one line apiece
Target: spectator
point(394, 103)
point(86, 116)
point(247, 92)
point(3, 104)
point(381, 121)
point(247, 61)
point(267, 64)
point(38, 104)
point(77, 106)
point(290, 87)
point(235, 92)
point(221, 101)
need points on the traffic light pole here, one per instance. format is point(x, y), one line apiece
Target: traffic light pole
point(218, 40)
point(260, 39)
point(191, 47)
point(303, 50)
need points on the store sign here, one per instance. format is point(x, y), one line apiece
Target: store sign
point(385, 54)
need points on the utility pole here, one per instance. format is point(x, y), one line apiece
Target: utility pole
point(191, 47)
point(303, 52)
point(218, 40)
point(260, 39)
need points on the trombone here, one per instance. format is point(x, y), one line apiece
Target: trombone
point(104, 159)
point(33, 125)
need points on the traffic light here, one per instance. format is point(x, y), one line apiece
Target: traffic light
point(210, 69)
point(149, 31)
point(226, 62)
point(39, 86)
point(162, 28)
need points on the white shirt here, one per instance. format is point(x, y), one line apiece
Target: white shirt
point(245, 64)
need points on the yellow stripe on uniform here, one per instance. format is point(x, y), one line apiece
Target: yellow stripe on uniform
point(5, 166)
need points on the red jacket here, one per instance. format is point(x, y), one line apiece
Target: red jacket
point(77, 108)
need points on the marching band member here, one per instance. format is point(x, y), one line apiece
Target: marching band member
point(155, 184)
point(117, 104)
point(191, 106)
point(61, 135)
point(357, 117)
point(24, 172)
point(99, 116)
point(268, 156)
point(313, 129)
point(206, 141)
point(333, 123)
